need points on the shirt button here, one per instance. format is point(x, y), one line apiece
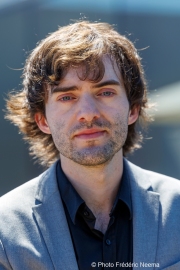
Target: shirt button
point(86, 213)
point(108, 242)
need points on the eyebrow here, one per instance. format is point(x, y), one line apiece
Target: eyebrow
point(105, 83)
point(58, 89)
point(63, 89)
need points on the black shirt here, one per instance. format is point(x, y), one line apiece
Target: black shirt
point(93, 249)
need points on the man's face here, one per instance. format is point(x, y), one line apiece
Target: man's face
point(88, 121)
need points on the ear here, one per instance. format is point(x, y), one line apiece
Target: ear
point(42, 123)
point(133, 114)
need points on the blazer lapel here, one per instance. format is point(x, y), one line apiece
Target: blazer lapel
point(145, 204)
point(50, 216)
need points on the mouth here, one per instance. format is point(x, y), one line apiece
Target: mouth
point(90, 134)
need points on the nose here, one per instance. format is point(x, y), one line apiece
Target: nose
point(87, 109)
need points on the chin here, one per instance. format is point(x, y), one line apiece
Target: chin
point(93, 158)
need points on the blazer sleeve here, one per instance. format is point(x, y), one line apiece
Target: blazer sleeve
point(4, 263)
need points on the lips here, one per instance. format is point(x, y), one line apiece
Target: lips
point(90, 134)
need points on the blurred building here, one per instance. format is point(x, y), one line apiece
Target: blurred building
point(150, 24)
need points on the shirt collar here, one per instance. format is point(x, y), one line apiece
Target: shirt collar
point(125, 190)
point(68, 193)
point(73, 200)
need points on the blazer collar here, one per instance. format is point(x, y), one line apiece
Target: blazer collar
point(145, 203)
point(50, 216)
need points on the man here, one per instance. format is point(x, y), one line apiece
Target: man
point(83, 93)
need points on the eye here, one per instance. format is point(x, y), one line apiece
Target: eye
point(106, 93)
point(66, 98)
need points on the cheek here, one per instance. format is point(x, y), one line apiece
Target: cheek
point(124, 108)
point(125, 103)
point(120, 108)
point(58, 121)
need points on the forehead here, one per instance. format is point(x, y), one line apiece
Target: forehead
point(111, 71)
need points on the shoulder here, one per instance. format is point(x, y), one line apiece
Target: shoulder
point(16, 208)
point(150, 190)
point(16, 212)
point(167, 187)
point(23, 197)
point(19, 230)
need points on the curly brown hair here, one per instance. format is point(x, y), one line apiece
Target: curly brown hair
point(79, 44)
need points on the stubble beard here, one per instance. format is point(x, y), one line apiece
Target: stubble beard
point(92, 154)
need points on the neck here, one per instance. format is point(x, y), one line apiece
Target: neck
point(97, 185)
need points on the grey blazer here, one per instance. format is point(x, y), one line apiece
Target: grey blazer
point(34, 233)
